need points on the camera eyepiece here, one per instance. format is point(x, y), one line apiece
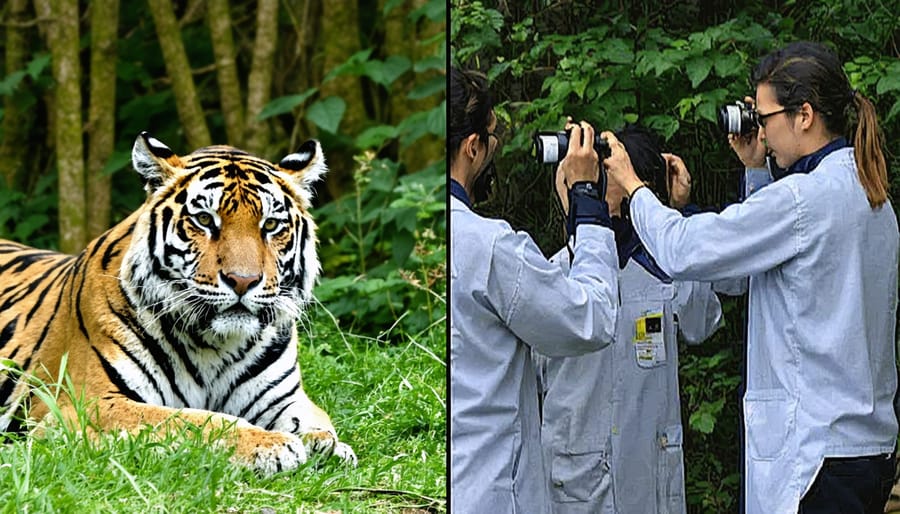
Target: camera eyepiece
point(738, 118)
point(551, 147)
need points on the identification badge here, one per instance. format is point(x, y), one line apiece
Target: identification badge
point(649, 345)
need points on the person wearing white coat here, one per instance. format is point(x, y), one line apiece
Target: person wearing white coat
point(505, 298)
point(820, 246)
point(611, 427)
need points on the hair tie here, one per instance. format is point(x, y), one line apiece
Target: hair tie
point(853, 93)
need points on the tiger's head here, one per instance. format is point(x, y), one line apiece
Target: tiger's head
point(224, 247)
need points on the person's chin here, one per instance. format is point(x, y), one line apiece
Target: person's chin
point(781, 162)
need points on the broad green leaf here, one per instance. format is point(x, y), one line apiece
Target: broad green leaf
point(889, 82)
point(433, 86)
point(617, 51)
point(284, 104)
point(663, 124)
point(354, 65)
point(685, 105)
point(387, 71)
point(437, 120)
point(707, 111)
point(37, 65)
point(327, 113)
point(405, 218)
point(702, 422)
point(600, 87)
point(697, 70)
point(402, 246)
point(117, 161)
point(729, 65)
point(579, 85)
point(374, 137)
point(436, 10)
point(893, 112)
point(10, 82)
point(433, 62)
point(29, 225)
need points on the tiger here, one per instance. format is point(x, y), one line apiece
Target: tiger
point(183, 314)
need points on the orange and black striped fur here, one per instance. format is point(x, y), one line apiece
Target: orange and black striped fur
point(186, 311)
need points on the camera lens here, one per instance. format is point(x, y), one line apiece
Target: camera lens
point(550, 147)
point(737, 118)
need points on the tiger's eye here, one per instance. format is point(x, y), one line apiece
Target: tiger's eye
point(271, 224)
point(204, 219)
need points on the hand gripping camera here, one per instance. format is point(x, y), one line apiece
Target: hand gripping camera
point(551, 147)
point(738, 118)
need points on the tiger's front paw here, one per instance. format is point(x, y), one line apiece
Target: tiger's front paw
point(270, 452)
point(326, 443)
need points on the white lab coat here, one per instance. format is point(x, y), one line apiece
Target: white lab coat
point(611, 432)
point(506, 297)
point(822, 312)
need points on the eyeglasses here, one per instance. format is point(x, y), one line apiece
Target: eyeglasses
point(761, 118)
point(499, 132)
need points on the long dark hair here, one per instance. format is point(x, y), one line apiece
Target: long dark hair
point(470, 108)
point(645, 153)
point(809, 72)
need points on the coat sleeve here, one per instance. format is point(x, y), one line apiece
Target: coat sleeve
point(556, 314)
point(699, 311)
point(743, 240)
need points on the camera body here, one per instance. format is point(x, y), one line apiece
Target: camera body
point(738, 118)
point(551, 147)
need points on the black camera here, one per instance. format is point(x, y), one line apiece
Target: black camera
point(738, 118)
point(551, 147)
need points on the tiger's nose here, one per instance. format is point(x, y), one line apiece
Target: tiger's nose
point(240, 283)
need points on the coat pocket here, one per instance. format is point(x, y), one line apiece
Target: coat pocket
point(579, 477)
point(670, 474)
point(770, 417)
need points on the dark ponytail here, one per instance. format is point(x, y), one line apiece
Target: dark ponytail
point(868, 142)
point(809, 72)
point(470, 108)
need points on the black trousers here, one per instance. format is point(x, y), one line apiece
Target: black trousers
point(854, 485)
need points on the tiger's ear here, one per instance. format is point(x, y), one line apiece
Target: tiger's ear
point(306, 165)
point(155, 162)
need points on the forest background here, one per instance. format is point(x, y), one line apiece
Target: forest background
point(668, 65)
point(81, 79)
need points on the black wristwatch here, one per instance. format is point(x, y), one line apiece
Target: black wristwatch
point(586, 205)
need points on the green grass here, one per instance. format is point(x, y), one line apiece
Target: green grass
point(387, 401)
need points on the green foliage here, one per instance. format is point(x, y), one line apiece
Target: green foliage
point(39, 208)
point(670, 67)
point(386, 73)
point(383, 248)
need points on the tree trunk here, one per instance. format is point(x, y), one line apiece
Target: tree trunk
point(101, 113)
point(219, 19)
point(259, 84)
point(15, 141)
point(179, 70)
point(340, 36)
point(62, 38)
point(297, 67)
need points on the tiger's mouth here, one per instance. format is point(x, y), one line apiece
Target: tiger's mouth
point(238, 309)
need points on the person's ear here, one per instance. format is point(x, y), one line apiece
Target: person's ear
point(470, 146)
point(806, 114)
